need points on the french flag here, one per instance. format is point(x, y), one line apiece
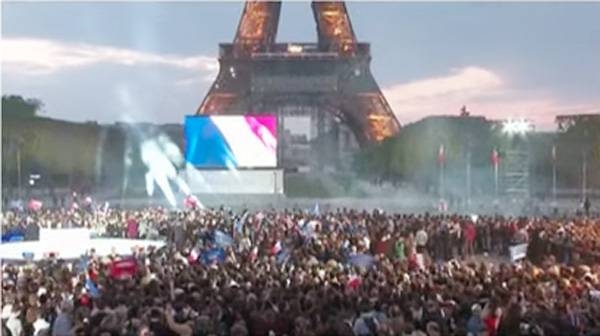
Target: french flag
point(34, 205)
point(254, 254)
point(353, 283)
point(495, 157)
point(193, 257)
point(191, 202)
point(276, 248)
point(91, 288)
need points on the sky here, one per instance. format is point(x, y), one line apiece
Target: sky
point(154, 62)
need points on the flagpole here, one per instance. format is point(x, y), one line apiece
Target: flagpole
point(495, 160)
point(441, 160)
point(554, 181)
point(496, 178)
point(469, 179)
point(442, 180)
point(554, 173)
point(584, 176)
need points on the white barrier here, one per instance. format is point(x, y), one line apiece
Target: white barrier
point(71, 244)
point(517, 252)
point(61, 236)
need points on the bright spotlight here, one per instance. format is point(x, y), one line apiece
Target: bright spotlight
point(295, 49)
point(516, 127)
point(159, 155)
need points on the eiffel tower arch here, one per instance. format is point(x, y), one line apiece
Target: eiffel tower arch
point(328, 82)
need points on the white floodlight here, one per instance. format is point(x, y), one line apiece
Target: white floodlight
point(516, 127)
point(295, 49)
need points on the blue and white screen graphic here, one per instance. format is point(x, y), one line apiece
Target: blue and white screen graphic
point(231, 141)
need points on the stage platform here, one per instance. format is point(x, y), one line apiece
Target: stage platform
point(235, 182)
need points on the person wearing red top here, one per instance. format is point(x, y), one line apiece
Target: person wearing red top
point(132, 228)
point(491, 318)
point(470, 234)
point(491, 324)
point(382, 246)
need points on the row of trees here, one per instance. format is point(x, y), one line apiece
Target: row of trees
point(90, 151)
point(412, 156)
point(66, 153)
point(61, 152)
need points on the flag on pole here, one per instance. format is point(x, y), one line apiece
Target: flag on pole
point(215, 255)
point(276, 248)
point(353, 282)
point(442, 155)
point(361, 260)
point(194, 255)
point(495, 157)
point(191, 202)
point(222, 239)
point(254, 254)
point(34, 205)
point(91, 288)
point(283, 256)
point(238, 226)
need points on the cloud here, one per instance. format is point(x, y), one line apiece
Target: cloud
point(43, 57)
point(484, 92)
point(168, 86)
point(81, 82)
point(462, 83)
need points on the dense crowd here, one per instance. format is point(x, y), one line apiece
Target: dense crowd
point(298, 272)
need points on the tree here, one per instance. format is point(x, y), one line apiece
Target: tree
point(412, 156)
point(18, 142)
point(14, 106)
point(579, 135)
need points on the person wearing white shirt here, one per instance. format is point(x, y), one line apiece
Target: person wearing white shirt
point(14, 323)
point(40, 325)
point(421, 240)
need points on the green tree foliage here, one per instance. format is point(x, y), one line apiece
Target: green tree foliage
point(579, 136)
point(413, 154)
point(42, 145)
point(14, 106)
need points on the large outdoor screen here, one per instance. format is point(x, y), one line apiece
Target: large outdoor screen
point(231, 141)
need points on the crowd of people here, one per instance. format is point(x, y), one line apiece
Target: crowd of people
point(297, 272)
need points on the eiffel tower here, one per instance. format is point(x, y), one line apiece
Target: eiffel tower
point(330, 80)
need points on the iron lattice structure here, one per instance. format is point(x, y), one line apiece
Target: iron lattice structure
point(330, 77)
point(516, 172)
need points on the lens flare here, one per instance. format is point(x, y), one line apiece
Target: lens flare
point(160, 156)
